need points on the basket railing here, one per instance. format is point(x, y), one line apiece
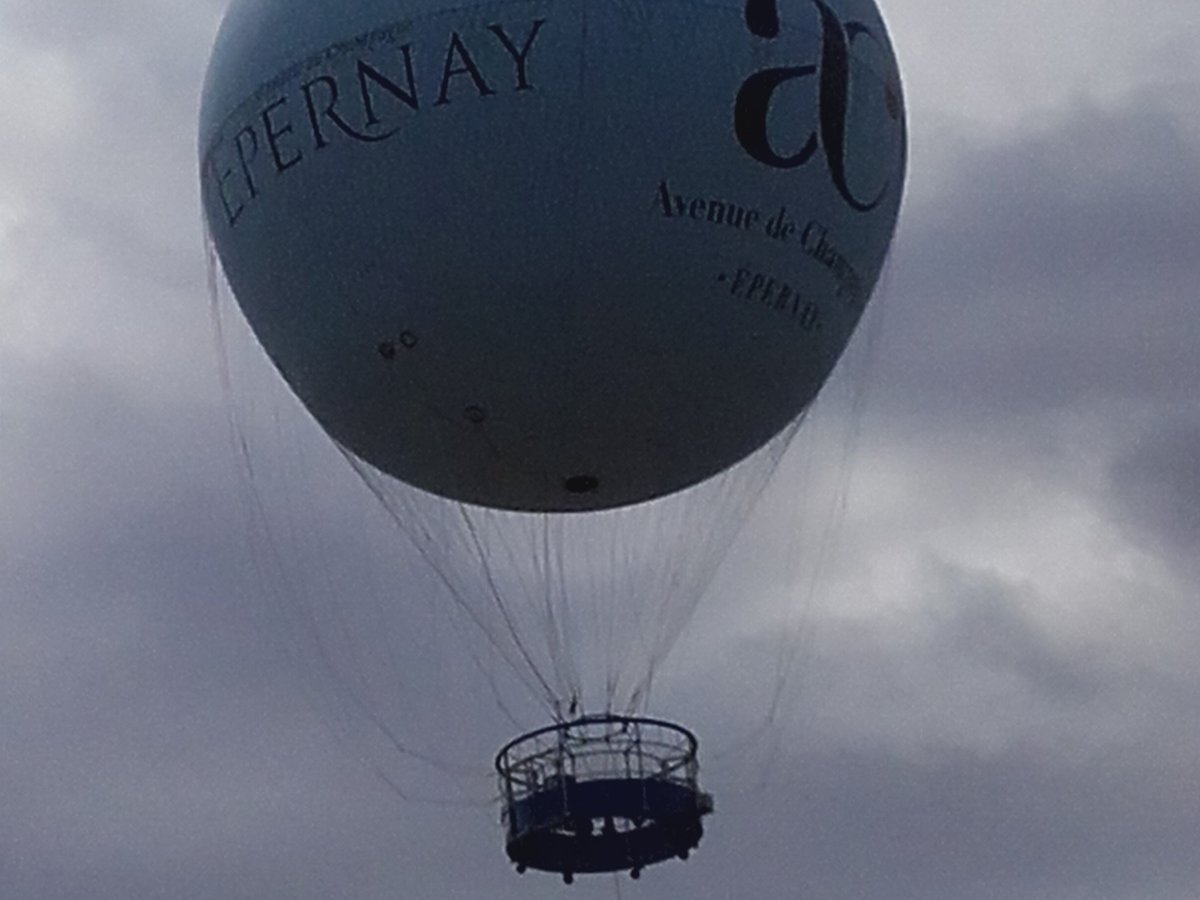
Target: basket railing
point(594, 748)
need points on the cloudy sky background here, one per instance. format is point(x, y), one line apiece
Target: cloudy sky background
point(998, 693)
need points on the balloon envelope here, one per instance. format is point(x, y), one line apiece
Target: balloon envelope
point(546, 255)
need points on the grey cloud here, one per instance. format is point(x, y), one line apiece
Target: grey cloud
point(1053, 268)
point(1155, 483)
point(153, 741)
point(979, 619)
point(961, 751)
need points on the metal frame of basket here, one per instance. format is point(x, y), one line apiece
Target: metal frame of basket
point(601, 793)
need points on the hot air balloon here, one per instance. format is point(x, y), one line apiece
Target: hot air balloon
point(553, 261)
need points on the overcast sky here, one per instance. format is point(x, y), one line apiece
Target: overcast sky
point(998, 693)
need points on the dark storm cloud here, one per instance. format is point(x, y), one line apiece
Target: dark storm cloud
point(154, 740)
point(1053, 267)
point(959, 750)
point(1044, 290)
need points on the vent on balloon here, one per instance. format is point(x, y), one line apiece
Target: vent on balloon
point(581, 484)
